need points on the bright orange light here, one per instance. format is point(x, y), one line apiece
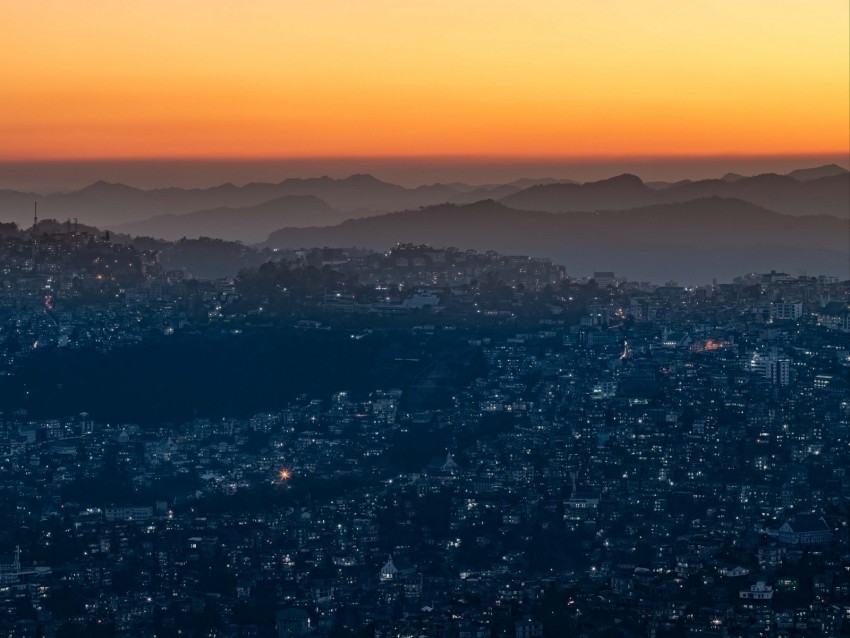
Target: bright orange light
point(284, 474)
point(221, 78)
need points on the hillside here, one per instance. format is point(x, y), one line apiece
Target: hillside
point(822, 190)
point(106, 204)
point(827, 195)
point(248, 224)
point(713, 235)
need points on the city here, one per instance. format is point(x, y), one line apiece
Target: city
point(425, 319)
point(515, 451)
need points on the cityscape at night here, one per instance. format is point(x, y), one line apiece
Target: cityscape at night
point(425, 319)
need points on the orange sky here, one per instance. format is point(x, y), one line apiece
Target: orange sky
point(278, 78)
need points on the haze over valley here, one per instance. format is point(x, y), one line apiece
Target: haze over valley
point(690, 229)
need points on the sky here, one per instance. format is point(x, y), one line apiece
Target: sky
point(520, 80)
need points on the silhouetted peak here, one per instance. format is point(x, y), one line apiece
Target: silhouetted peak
point(527, 182)
point(102, 186)
point(626, 179)
point(769, 178)
point(808, 174)
point(485, 203)
point(364, 179)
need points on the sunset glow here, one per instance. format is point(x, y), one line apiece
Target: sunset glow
point(271, 78)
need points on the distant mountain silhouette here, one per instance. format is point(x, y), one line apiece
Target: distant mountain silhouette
point(823, 190)
point(623, 191)
point(808, 174)
point(249, 224)
point(693, 241)
point(527, 182)
point(780, 193)
point(107, 204)
point(821, 196)
point(657, 186)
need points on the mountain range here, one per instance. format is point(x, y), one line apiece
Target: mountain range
point(693, 241)
point(251, 224)
point(826, 195)
point(655, 230)
point(105, 204)
point(818, 191)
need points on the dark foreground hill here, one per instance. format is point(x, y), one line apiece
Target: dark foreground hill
point(693, 242)
point(213, 374)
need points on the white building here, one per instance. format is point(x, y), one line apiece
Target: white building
point(786, 310)
point(139, 514)
point(759, 591)
point(772, 366)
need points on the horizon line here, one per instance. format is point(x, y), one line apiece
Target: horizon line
point(485, 158)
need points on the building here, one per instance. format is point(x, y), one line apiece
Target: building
point(138, 514)
point(772, 366)
point(786, 310)
point(10, 572)
point(733, 571)
point(835, 315)
point(805, 529)
point(528, 628)
point(292, 622)
point(605, 278)
point(759, 591)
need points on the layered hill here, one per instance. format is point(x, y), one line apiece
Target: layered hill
point(249, 224)
point(820, 195)
point(811, 191)
point(105, 204)
point(693, 241)
point(808, 174)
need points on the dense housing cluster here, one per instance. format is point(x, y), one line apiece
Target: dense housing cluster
point(601, 458)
